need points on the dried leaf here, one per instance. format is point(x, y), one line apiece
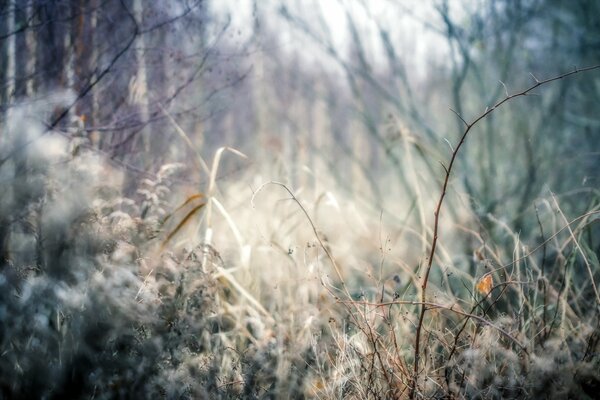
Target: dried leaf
point(485, 284)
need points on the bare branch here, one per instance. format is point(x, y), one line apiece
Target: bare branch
point(505, 88)
point(105, 71)
point(534, 78)
point(314, 229)
point(459, 116)
point(432, 306)
point(443, 166)
point(488, 111)
point(449, 144)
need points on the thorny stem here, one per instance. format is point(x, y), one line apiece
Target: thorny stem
point(448, 171)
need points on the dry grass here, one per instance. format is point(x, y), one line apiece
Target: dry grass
point(255, 289)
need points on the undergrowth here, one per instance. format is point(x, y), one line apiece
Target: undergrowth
point(265, 291)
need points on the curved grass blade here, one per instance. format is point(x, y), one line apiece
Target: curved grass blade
point(182, 223)
point(185, 203)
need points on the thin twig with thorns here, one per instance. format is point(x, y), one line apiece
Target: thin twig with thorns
point(448, 171)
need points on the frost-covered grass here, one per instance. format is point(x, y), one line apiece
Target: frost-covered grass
point(253, 291)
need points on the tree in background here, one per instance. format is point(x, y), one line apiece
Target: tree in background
point(128, 63)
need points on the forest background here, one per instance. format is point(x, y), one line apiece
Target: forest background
point(237, 198)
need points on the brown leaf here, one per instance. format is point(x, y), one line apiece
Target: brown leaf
point(485, 284)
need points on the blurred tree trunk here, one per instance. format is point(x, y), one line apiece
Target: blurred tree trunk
point(5, 28)
point(49, 40)
point(116, 112)
point(137, 97)
point(157, 85)
point(21, 50)
point(50, 46)
point(83, 43)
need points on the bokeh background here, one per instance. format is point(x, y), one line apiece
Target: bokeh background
point(137, 142)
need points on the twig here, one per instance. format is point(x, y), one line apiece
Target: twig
point(469, 126)
point(542, 273)
point(505, 88)
point(545, 242)
point(104, 72)
point(451, 309)
point(461, 118)
point(314, 229)
point(581, 252)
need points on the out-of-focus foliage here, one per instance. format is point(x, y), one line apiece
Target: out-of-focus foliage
point(132, 267)
point(87, 309)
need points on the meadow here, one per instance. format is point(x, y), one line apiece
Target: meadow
point(303, 235)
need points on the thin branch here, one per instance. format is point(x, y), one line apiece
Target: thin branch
point(105, 71)
point(581, 252)
point(459, 116)
point(433, 306)
point(443, 166)
point(505, 88)
point(534, 78)
point(545, 242)
point(424, 304)
point(314, 229)
point(449, 144)
point(170, 20)
point(543, 272)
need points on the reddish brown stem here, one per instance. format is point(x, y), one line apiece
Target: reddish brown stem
point(448, 172)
